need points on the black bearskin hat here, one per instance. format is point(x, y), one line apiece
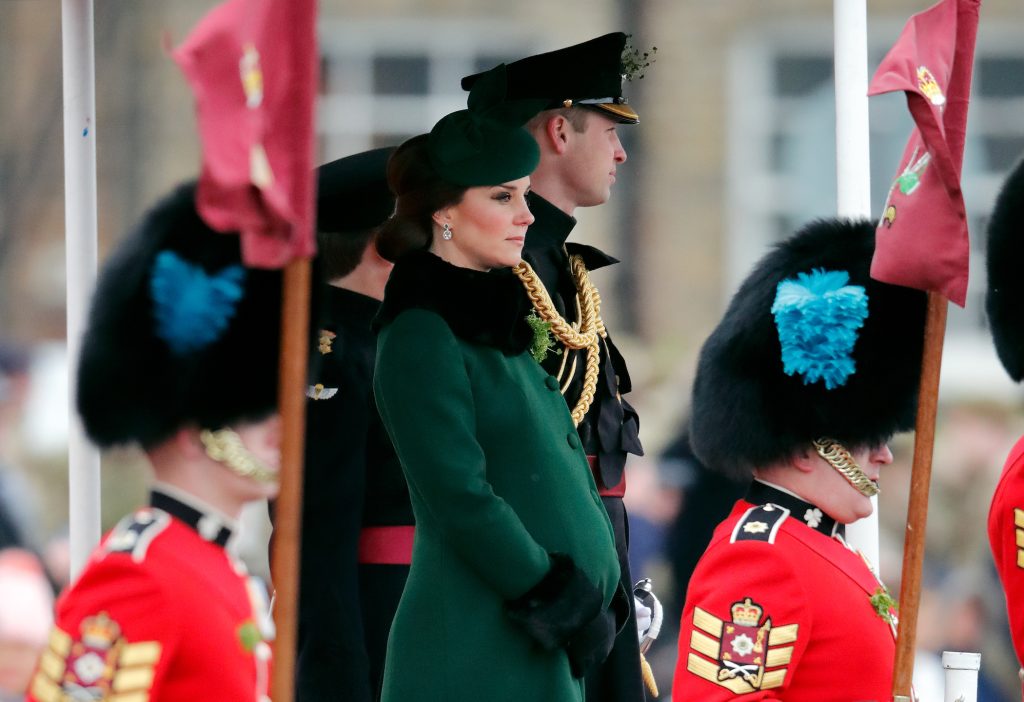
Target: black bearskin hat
point(849, 368)
point(1004, 301)
point(179, 332)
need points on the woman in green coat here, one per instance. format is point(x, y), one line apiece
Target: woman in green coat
point(513, 590)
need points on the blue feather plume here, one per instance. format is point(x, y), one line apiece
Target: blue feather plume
point(192, 309)
point(818, 317)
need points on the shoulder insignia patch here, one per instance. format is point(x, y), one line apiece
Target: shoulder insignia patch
point(742, 654)
point(326, 339)
point(319, 392)
point(136, 532)
point(1018, 524)
point(95, 664)
point(760, 523)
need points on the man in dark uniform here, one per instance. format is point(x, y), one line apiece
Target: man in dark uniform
point(581, 90)
point(180, 357)
point(812, 369)
point(357, 519)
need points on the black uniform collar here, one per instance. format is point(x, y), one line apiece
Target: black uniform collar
point(349, 307)
point(761, 493)
point(209, 524)
point(488, 308)
point(550, 229)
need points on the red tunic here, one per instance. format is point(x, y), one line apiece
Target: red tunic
point(777, 610)
point(159, 613)
point(1006, 538)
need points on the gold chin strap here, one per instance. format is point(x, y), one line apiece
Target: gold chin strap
point(840, 459)
point(589, 333)
point(226, 447)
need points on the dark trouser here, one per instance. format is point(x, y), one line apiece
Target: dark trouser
point(380, 589)
point(619, 679)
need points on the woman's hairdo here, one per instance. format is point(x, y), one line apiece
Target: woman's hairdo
point(419, 193)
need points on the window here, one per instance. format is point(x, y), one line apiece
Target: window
point(384, 81)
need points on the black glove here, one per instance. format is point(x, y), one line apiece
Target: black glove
point(592, 643)
point(564, 610)
point(558, 606)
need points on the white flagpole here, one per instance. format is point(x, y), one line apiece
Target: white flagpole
point(853, 170)
point(961, 676)
point(80, 221)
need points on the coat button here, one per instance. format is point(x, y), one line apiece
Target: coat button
point(574, 440)
point(552, 382)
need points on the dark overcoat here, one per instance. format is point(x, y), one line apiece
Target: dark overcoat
point(499, 482)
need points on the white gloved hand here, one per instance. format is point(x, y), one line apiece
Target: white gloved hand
point(643, 618)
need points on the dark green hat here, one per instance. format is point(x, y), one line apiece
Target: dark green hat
point(352, 192)
point(584, 75)
point(486, 143)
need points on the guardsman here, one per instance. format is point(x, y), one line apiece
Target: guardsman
point(580, 89)
point(357, 517)
point(812, 369)
point(180, 358)
point(1005, 306)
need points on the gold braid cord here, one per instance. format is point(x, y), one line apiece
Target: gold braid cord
point(585, 334)
point(226, 447)
point(840, 459)
point(648, 676)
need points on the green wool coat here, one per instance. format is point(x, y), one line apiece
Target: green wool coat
point(498, 480)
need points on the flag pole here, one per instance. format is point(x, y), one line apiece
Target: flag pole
point(917, 508)
point(955, 117)
point(261, 185)
point(287, 519)
point(853, 172)
point(80, 221)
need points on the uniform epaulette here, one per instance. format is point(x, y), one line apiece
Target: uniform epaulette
point(760, 523)
point(136, 532)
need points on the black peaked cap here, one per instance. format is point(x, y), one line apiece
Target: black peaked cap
point(591, 70)
point(352, 192)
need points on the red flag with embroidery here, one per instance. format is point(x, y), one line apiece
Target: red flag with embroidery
point(922, 241)
point(252, 65)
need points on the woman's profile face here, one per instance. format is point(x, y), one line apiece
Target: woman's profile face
point(488, 226)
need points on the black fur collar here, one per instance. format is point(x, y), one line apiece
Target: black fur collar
point(484, 308)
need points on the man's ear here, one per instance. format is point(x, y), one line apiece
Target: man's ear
point(806, 460)
point(186, 440)
point(555, 133)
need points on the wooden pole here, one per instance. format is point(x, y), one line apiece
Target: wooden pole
point(287, 516)
point(920, 481)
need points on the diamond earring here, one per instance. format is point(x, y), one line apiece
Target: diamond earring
point(447, 233)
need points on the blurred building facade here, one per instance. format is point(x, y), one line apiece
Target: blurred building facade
point(735, 149)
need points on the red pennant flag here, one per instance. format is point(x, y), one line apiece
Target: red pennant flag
point(922, 241)
point(252, 65)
